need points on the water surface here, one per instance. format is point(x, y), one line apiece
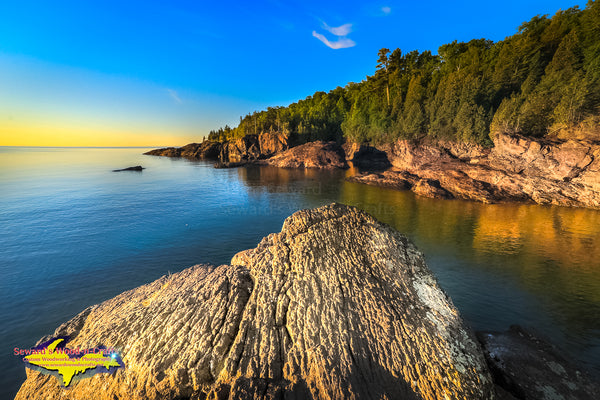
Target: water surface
point(73, 233)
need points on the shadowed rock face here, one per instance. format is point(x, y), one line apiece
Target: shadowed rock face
point(533, 369)
point(335, 306)
point(365, 156)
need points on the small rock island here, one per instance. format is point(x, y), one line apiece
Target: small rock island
point(136, 168)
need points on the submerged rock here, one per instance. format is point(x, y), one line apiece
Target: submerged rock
point(335, 306)
point(222, 165)
point(431, 188)
point(311, 155)
point(532, 369)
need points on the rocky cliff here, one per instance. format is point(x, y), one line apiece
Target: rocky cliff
point(241, 150)
point(543, 171)
point(208, 150)
point(335, 306)
point(556, 172)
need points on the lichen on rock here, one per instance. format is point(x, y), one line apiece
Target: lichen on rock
point(335, 306)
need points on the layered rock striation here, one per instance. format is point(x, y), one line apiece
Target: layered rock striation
point(232, 152)
point(207, 150)
point(335, 306)
point(517, 168)
point(317, 154)
point(558, 172)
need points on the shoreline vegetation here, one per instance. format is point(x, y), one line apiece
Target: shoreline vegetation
point(515, 120)
point(336, 305)
point(515, 169)
point(543, 81)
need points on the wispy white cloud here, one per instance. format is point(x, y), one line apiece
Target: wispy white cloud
point(386, 10)
point(343, 30)
point(341, 43)
point(174, 96)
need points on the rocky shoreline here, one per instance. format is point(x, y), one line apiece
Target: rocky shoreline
point(516, 169)
point(558, 172)
point(335, 306)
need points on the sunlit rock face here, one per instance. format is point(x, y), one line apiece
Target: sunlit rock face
point(272, 142)
point(207, 150)
point(246, 148)
point(317, 154)
point(544, 171)
point(335, 306)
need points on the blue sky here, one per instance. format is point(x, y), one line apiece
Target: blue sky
point(165, 73)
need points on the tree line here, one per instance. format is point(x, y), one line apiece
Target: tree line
point(543, 80)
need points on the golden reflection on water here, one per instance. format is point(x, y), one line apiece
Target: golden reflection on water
point(551, 252)
point(568, 235)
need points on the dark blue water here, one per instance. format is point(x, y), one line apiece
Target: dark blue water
point(73, 233)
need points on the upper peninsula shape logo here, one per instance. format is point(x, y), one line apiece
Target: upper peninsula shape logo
point(69, 365)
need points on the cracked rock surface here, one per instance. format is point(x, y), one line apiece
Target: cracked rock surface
point(543, 171)
point(533, 369)
point(335, 306)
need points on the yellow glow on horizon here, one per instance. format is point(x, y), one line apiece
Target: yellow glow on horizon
point(13, 134)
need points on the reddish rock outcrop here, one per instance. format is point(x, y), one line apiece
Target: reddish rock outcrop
point(246, 148)
point(310, 155)
point(335, 306)
point(231, 153)
point(431, 188)
point(272, 142)
point(556, 172)
point(206, 150)
point(400, 180)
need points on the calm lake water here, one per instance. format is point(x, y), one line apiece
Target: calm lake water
point(73, 233)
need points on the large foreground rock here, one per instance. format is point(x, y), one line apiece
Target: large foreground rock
point(335, 306)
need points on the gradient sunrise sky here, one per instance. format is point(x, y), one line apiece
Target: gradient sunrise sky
point(156, 73)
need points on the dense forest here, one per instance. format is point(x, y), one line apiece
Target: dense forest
point(544, 80)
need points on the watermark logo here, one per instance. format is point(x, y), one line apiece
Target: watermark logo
point(70, 365)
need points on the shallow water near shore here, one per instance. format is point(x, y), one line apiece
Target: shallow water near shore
point(73, 233)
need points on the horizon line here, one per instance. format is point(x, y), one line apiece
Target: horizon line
point(84, 147)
